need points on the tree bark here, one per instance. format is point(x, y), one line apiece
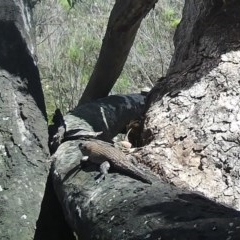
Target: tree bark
point(121, 207)
point(192, 130)
point(192, 122)
point(196, 134)
point(23, 131)
point(123, 24)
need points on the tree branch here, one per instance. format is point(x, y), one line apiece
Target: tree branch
point(123, 24)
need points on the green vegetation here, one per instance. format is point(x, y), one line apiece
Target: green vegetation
point(171, 18)
point(69, 37)
point(74, 53)
point(123, 85)
point(65, 4)
point(175, 22)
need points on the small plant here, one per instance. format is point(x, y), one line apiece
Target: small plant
point(74, 53)
point(174, 23)
point(123, 85)
point(168, 14)
point(65, 4)
point(171, 18)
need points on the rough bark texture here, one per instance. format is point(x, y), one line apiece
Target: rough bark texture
point(121, 207)
point(123, 24)
point(194, 121)
point(107, 115)
point(193, 124)
point(23, 127)
point(75, 186)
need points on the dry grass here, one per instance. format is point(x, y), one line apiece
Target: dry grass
point(68, 43)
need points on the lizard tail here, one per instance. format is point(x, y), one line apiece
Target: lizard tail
point(138, 175)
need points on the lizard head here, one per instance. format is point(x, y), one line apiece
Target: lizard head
point(84, 149)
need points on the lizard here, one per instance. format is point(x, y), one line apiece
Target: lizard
point(107, 156)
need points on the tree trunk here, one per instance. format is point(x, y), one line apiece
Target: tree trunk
point(123, 24)
point(192, 126)
point(196, 134)
point(23, 131)
point(192, 130)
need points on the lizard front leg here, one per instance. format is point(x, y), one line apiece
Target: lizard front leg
point(104, 167)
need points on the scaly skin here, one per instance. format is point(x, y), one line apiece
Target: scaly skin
point(107, 156)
